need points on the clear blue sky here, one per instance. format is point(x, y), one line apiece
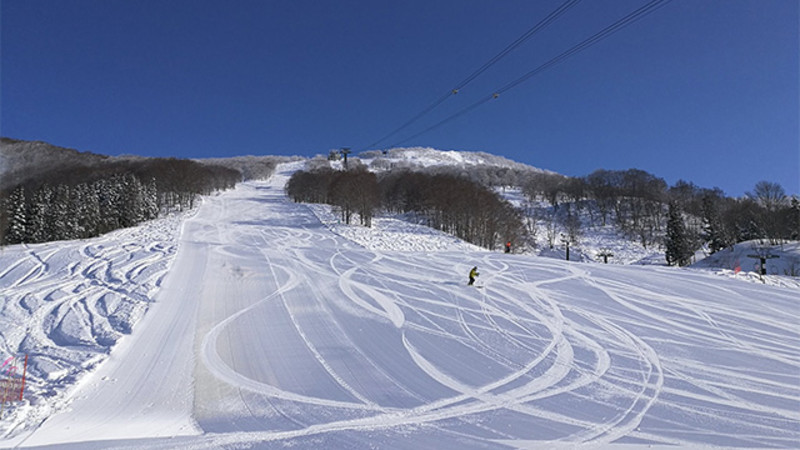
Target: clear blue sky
point(700, 90)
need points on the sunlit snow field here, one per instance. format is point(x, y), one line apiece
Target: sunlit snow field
point(259, 322)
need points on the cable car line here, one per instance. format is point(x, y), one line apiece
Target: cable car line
point(527, 35)
point(447, 119)
point(550, 18)
point(597, 37)
point(583, 45)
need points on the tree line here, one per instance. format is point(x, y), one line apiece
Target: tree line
point(83, 202)
point(352, 192)
point(450, 203)
point(682, 217)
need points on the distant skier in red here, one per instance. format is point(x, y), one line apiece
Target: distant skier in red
point(508, 247)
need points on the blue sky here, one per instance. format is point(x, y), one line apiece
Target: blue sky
point(700, 90)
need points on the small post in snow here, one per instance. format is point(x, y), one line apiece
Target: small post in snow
point(565, 241)
point(763, 261)
point(605, 254)
point(762, 253)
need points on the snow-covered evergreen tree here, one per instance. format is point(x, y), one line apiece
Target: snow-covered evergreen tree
point(109, 195)
point(17, 217)
point(713, 231)
point(87, 210)
point(3, 218)
point(132, 204)
point(151, 199)
point(62, 216)
point(678, 244)
point(40, 215)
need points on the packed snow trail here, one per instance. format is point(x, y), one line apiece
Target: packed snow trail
point(144, 389)
point(272, 330)
point(65, 305)
point(318, 340)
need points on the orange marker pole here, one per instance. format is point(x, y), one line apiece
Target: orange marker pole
point(24, 370)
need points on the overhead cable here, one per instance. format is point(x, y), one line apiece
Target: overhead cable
point(604, 33)
point(555, 14)
point(583, 45)
point(528, 34)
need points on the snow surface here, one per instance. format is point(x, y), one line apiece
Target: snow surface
point(66, 304)
point(270, 325)
point(426, 157)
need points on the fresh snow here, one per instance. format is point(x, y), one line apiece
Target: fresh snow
point(66, 305)
point(425, 157)
point(401, 234)
point(258, 322)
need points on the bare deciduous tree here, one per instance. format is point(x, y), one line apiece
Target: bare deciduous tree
point(769, 195)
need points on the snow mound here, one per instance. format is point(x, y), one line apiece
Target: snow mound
point(742, 261)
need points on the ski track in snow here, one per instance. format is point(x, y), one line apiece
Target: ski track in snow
point(554, 351)
point(312, 334)
point(67, 304)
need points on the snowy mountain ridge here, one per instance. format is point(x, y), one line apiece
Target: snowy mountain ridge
point(429, 157)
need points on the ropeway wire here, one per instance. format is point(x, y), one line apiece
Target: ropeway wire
point(583, 45)
point(606, 32)
point(550, 18)
point(528, 34)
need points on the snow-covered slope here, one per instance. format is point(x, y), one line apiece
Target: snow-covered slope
point(425, 157)
point(66, 305)
point(781, 261)
point(274, 328)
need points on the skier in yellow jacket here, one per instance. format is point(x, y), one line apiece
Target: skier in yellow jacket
point(472, 274)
